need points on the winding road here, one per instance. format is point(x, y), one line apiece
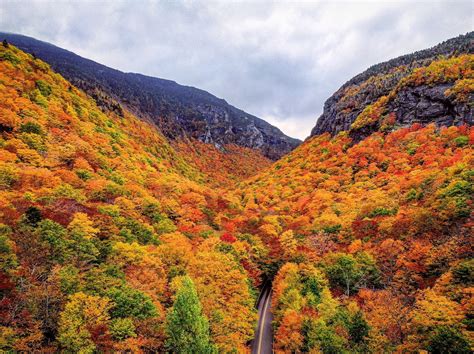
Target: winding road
point(263, 342)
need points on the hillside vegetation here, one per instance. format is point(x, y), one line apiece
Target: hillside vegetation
point(114, 239)
point(100, 217)
point(372, 242)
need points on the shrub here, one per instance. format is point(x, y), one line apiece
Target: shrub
point(371, 114)
point(448, 340)
point(129, 302)
point(31, 127)
point(44, 88)
point(122, 328)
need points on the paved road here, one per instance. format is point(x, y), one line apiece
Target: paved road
point(262, 344)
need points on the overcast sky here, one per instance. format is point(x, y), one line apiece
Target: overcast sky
point(277, 60)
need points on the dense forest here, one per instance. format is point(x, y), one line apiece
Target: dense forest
point(113, 238)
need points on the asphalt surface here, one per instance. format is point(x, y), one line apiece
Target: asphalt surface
point(263, 342)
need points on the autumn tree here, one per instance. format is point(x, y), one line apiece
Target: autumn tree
point(350, 272)
point(218, 276)
point(8, 259)
point(288, 337)
point(82, 315)
point(321, 337)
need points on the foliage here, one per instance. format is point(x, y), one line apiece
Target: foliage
point(371, 114)
point(448, 340)
point(8, 258)
point(82, 314)
point(187, 327)
point(351, 272)
point(122, 328)
point(321, 337)
point(375, 218)
point(111, 239)
point(456, 69)
point(98, 208)
point(463, 273)
point(128, 302)
point(225, 166)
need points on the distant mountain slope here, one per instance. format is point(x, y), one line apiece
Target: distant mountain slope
point(415, 88)
point(177, 110)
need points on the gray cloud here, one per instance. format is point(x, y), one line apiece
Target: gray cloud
point(277, 60)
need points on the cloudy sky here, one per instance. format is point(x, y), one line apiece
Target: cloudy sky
point(277, 60)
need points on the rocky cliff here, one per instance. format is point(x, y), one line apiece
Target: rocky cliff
point(178, 111)
point(431, 85)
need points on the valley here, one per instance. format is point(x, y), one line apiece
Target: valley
point(125, 227)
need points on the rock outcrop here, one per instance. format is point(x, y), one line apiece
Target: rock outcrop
point(408, 101)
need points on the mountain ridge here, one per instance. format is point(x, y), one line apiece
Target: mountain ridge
point(343, 108)
point(176, 109)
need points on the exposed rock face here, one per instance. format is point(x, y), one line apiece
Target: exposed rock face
point(178, 111)
point(425, 104)
point(418, 104)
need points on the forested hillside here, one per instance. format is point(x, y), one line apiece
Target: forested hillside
point(371, 243)
point(100, 217)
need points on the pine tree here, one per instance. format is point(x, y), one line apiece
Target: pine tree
point(187, 327)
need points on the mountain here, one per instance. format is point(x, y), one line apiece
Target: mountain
point(113, 239)
point(370, 243)
point(179, 111)
point(413, 88)
point(100, 218)
point(368, 223)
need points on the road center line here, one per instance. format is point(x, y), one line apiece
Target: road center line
point(262, 323)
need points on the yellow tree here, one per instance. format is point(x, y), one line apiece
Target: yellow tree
point(288, 243)
point(82, 232)
point(82, 315)
point(225, 295)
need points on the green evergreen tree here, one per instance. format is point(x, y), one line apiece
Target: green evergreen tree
point(358, 328)
point(187, 327)
point(448, 340)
